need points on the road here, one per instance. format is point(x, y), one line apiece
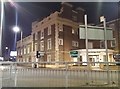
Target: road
point(46, 77)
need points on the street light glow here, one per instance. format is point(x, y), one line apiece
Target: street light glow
point(16, 29)
point(6, 47)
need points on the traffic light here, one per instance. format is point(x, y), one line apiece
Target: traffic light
point(38, 54)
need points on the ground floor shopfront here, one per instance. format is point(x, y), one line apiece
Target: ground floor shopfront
point(94, 55)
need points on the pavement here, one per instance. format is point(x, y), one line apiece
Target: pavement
point(111, 68)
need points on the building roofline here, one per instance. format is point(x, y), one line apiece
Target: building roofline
point(112, 21)
point(68, 4)
point(79, 8)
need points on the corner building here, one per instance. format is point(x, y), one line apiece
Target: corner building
point(57, 34)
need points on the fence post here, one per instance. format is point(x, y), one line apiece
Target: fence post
point(66, 74)
point(15, 68)
point(0, 79)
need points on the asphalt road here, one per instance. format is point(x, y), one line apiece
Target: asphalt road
point(44, 77)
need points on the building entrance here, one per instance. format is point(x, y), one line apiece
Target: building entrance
point(94, 58)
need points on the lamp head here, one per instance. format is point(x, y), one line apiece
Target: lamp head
point(16, 29)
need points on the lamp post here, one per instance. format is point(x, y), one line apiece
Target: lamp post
point(16, 29)
point(1, 25)
point(103, 19)
point(7, 53)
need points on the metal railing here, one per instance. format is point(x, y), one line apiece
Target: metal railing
point(58, 74)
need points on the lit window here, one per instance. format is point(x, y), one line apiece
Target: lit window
point(104, 58)
point(60, 27)
point(28, 50)
point(73, 31)
point(49, 58)
point(113, 42)
point(75, 43)
point(24, 50)
point(60, 41)
point(49, 43)
point(42, 46)
point(42, 34)
point(49, 30)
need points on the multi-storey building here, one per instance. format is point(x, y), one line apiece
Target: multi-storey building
point(56, 35)
point(24, 49)
point(115, 25)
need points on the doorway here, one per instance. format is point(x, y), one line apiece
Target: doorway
point(92, 59)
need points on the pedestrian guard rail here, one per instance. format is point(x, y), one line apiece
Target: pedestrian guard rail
point(59, 74)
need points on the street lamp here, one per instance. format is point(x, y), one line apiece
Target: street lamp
point(7, 53)
point(6, 48)
point(16, 29)
point(103, 19)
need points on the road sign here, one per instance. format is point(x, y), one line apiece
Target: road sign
point(74, 53)
point(39, 54)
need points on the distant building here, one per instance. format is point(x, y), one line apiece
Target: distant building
point(24, 49)
point(57, 35)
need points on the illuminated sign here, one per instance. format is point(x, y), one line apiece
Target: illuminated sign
point(74, 53)
point(13, 53)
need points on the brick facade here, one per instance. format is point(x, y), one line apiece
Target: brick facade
point(64, 36)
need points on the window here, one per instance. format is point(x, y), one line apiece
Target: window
point(102, 44)
point(24, 60)
point(28, 49)
point(24, 50)
point(60, 41)
point(60, 27)
point(27, 59)
point(42, 46)
point(112, 26)
point(42, 34)
point(49, 43)
point(73, 31)
point(21, 51)
point(35, 46)
point(75, 43)
point(36, 35)
point(90, 45)
point(18, 52)
point(49, 58)
point(104, 58)
point(113, 42)
point(74, 18)
point(49, 30)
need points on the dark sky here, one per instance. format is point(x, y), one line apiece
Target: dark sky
point(29, 12)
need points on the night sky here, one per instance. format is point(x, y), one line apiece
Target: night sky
point(28, 12)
